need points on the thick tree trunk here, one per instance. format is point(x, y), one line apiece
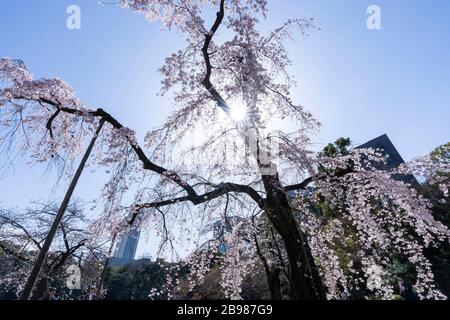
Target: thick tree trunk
point(274, 283)
point(272, 275)
point(40, 289)
point(305, 279)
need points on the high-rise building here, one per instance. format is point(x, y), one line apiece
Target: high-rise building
point(222, 228)
point(125, 250)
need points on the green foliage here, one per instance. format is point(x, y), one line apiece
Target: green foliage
point(442, 153)
point(439, 256)
point(208, 290)
point(134, 282)
point(339, 148)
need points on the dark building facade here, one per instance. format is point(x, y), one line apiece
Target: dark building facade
point(384, 145)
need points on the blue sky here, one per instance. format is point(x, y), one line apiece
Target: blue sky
point(358, 83)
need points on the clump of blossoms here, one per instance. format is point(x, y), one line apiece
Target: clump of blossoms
point(238, 262)
point(26, 115)
point(369, 225)
point(236, 259)
point(44, 120)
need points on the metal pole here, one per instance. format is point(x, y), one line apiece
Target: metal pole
point(29, 286)
point(105, 268)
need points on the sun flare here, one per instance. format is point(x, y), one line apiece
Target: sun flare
point(238, 112)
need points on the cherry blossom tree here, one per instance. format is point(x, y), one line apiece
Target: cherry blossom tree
point(229, 86)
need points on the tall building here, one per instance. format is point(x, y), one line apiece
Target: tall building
point(125, 250)
point(384, 144)
point(394, 159)
point(222, 228)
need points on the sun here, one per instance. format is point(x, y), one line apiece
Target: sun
point(238, 112)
